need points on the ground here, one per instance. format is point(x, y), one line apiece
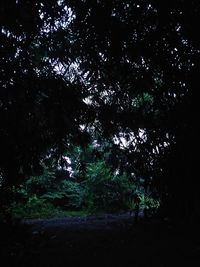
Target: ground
point(94, 240)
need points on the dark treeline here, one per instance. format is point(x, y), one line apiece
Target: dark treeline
point(76, 71)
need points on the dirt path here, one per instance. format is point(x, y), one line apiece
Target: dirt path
point(101, 239)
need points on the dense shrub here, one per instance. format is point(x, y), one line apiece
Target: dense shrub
point(69, 195)
point(105, 191)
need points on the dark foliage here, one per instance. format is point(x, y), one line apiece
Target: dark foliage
point(115, 66)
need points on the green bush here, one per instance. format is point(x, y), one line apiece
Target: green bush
point(69, 195)
point(98, 190)
point(105, 191)
point(35, 207)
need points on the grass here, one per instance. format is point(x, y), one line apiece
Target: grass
point(72, 213)
point(47, 212)
point(39, 210)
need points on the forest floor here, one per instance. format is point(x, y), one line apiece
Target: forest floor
point(95, 240)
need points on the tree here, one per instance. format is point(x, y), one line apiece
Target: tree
point(114, 66)
point(39, 108)
point(133, 48)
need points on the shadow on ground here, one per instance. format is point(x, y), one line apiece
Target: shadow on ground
point(99, 239)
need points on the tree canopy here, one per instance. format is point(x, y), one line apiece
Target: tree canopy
point(71, 69)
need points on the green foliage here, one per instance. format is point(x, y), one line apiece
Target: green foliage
point(104, 190)
point(101, 189)
point(35, 207)
point(42, 183)
point(143, 100)
point(69, 195)
point(39, 208)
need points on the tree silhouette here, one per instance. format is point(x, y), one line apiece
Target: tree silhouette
point(114, 66)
